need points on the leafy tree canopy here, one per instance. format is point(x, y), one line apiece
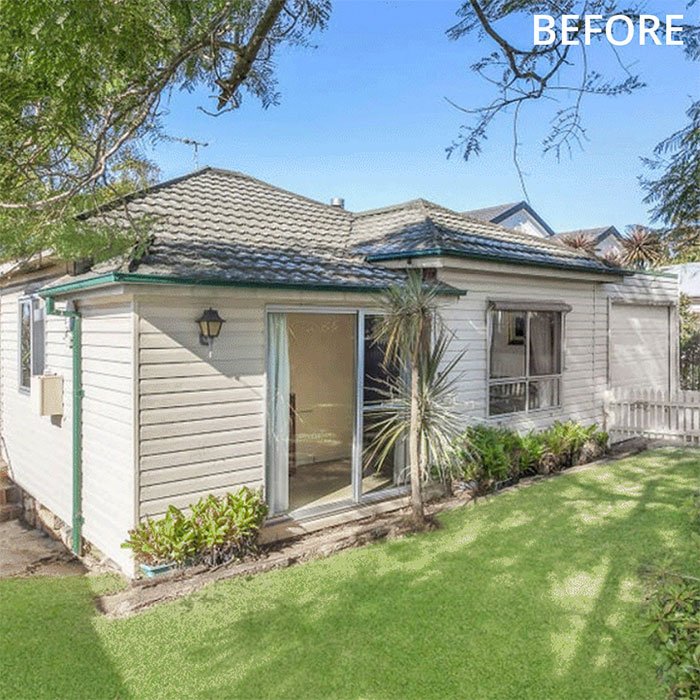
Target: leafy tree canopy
point(82, 89)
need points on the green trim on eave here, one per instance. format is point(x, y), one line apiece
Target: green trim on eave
point(135, 278)
point(454, 253)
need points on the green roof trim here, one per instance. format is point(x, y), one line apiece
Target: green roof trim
point(456, 253)
point(135, 278)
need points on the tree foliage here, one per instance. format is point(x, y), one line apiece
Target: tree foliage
point(564, 75)
point(641, 249)
point(674, 194)
point(84, 84)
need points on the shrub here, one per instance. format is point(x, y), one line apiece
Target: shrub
point(532, 449)
point(481, 455)
point(486, 455)
point(217, 530)
point(673, 613)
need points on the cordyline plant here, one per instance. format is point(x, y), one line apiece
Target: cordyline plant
point(418, 401)
point(641, 248)
point(580, 241)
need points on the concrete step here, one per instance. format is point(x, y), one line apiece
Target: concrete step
point(9, 493)
point(10, 511)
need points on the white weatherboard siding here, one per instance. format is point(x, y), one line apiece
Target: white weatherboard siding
point(584, 372)
point(164, 423)
point(643, 332)
point(39, 448)
point(108, 428)
point(640, 354)
point(202, 419)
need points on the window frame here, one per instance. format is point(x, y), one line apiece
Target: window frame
point(30, 300)
point(527, 378)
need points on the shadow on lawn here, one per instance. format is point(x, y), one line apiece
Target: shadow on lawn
point(528, 594)
point(48, 645)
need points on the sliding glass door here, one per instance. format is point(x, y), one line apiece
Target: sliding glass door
point(383, 465)
point(327, 387)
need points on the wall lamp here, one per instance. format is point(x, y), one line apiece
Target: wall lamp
point(209, 327)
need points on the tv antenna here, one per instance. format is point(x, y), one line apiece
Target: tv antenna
point(196, 145)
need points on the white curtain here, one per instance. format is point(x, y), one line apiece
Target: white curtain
point(277, 447)
point(545, 335)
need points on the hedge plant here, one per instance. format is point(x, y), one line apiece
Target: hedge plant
point(487, 456)
point(215, 530)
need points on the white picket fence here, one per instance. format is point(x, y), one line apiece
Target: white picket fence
point(659, 415)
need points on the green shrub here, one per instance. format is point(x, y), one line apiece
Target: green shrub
point(217, 530)
point(482, 455)
point(673, 613)
point(532, 449)
point(486, 455)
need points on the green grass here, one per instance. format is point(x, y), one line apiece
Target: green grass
point(530, 594)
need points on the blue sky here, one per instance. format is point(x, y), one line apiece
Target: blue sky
point(364, 116)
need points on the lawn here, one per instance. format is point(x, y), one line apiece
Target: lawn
point(534, 593)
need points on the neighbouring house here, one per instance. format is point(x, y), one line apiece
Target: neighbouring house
point(516, 215)
point(605, 239)
point(522, 217)
point(688, 282)
point(115, 404)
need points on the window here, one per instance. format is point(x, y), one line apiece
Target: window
point(31, 341)
point(525, 358)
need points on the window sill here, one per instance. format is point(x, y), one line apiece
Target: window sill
point(524, 414)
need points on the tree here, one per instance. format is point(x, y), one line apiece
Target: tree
point(418, 397)
point(675, 194)
point(641, 248)
point(563, 74)
point(83, 86)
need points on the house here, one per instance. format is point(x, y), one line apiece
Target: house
point(115, 404)
point(688, 282)
point(516, 215)
point(522, 217)
point(605, 239)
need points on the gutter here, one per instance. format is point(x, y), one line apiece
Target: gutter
point(135, 278)
point(78, 394)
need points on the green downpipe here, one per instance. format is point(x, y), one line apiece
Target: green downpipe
point(77, 420)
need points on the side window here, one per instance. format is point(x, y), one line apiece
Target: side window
point(31, 341)
point(524, 361)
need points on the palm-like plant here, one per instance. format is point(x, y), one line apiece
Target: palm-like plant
point(641, 248)
point(579, 241)
point(416, 399)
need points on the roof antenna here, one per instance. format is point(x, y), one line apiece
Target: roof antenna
point(197, 145)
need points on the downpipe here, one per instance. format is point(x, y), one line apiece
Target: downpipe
point(78, 393)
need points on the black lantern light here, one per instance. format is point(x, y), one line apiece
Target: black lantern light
point(209, 327)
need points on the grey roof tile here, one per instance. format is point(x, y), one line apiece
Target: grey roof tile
point(223, 225)
point(490, 213)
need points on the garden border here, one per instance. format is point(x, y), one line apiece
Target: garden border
point(146, 593)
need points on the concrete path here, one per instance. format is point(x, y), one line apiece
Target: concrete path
point(25, 551)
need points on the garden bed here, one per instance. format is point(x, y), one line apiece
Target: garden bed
point(146, 593)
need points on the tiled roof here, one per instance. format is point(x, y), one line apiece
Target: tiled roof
point(225, 226)
point(595, 234)
point(217, 224)
point(420, 227)
point(491, 213)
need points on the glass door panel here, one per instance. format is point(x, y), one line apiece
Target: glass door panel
point(381, 468)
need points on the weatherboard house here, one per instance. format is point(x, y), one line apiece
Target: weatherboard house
point(122, 392)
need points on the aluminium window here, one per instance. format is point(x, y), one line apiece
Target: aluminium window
point(525, 357)
point(31, 340)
